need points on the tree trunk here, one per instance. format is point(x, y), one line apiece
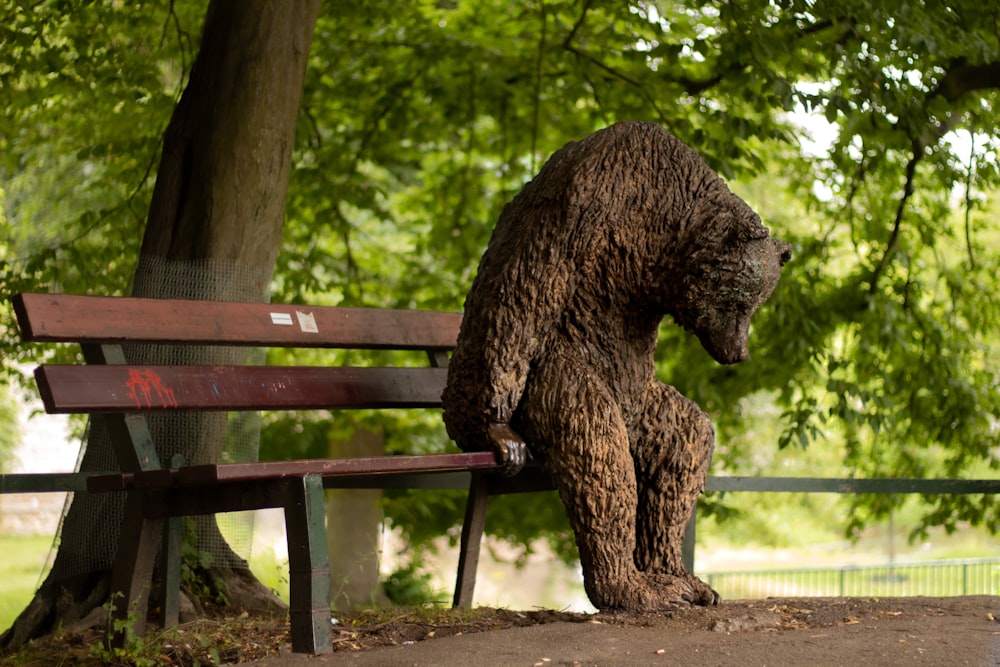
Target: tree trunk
point(213, 232)
point(353, 530)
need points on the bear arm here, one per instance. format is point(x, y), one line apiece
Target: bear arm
point(520, 330)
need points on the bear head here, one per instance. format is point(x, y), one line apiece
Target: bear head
point(728, 269)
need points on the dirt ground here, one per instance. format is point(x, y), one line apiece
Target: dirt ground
point(852, 632)
point(831, 632)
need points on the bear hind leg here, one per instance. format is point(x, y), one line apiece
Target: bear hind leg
point(571, 420)
point(673, 451)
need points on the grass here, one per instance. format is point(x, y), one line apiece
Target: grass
point(23, 563)
point(271, 571)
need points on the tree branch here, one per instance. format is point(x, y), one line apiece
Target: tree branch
point(961, 78)
point(890, 247)
point(569, 46)
point(968, 203)
point(697, 86)
point(579, 23)
point(537, 102)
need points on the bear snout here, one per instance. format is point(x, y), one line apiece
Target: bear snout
point(727, 343)
point(784, 251)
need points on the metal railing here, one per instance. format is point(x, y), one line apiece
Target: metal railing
point(979, 576)
point(835, 485)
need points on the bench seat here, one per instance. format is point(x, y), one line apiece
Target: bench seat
point(377, 469)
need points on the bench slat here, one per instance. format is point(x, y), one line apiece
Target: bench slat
point(344, 468)
point(348, 467)
point(100, 319)
point(101, 389)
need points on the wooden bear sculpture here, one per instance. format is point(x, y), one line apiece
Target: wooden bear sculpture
point(557, 342)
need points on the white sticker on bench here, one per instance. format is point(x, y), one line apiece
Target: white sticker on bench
point(281, 318)
point(307, 322)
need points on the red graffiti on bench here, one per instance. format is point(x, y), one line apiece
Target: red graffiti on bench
point(141, 385)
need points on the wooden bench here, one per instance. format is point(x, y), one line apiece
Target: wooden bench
point(156, 495)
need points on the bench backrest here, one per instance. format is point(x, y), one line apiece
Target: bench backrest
point(102, 319)
point(95, 321)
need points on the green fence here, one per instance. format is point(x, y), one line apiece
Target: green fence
point(927, 487)
point(933, 578)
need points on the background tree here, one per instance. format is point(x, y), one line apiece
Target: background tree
point(419, 120)
point(213, 231)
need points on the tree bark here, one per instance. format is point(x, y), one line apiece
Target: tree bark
point(213, 231)
point(223, 176)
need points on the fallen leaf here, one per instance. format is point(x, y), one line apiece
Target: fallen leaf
point(788, 609)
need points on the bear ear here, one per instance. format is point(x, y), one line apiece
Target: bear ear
point(741, 223)
point(742, 230)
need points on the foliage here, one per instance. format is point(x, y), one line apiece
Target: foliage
point(9, 433)
point(421, 119)
point(196, 569)
point(133, 651)
point(411, 585)
point(87, 96)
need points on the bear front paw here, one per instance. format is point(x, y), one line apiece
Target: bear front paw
point(509, 446)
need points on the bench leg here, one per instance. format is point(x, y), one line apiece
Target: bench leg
point(472, 537)
point(308, 565)
point(133, 571)
point(170, 563)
